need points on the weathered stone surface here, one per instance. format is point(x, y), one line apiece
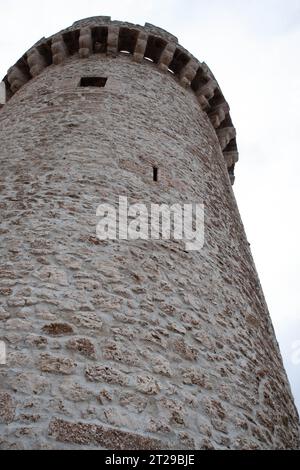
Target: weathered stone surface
point(75, 392)
point(147, 384)
point(36, 341)
point(113, 350)
point(56, 365)
point(57, 329)
point(133, 401)
point(83, 346)
point(196, 377)
point(29, 383)
point(7, 408)
point(162, 366)
point(88, 320)
point(107, 374)
point(109, 438)
point(4, 315)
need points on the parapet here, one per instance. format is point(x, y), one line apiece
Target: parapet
point(101, 35)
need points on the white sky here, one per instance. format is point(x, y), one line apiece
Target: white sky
point(252, 47)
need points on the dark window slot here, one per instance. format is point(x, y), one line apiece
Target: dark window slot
point(154, 49)
point(99, 35)
point(180, 59)
point(93, 82)
point(127, 40)
point(71, 40)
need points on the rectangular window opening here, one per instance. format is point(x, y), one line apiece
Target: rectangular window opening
point(93, 82)
point(155, 173)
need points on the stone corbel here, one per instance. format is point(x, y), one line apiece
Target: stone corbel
point(85, 43)
point(140, 46)
point(231, 158)
point(218, 114)
point(225, 135)
point(167, 56)
point(207, 73)
point(113, 40)
point(59, 50)
point(36, 62)
point(188, 73)
point(206, 92)
point(16, 78)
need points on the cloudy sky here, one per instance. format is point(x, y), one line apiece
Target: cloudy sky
point(252, 48)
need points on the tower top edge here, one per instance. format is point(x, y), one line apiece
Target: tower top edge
point(101, 34)
point(106, 20)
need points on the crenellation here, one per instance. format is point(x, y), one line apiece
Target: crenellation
point(102, 35)
point(93, 20)
point(156, 31)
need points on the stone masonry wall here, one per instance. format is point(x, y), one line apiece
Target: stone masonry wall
point(125, 344)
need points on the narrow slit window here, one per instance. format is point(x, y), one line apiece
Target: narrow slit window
point(97, 82)
point(155, 173)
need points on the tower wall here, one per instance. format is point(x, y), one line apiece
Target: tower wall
point(126, 344)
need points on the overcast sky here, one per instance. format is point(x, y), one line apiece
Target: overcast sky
point(252, 47)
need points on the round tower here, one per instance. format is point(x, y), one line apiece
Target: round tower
point(127, 344)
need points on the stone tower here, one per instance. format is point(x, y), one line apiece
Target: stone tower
point(123, 344)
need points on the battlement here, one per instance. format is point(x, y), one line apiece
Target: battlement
point(100, 35)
